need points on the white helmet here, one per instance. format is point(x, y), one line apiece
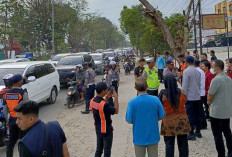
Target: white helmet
point(80, 66)
point(113, 63)
point(7, 76)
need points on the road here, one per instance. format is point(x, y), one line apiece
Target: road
point(49, 112)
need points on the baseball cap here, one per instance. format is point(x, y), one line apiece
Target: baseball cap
point(16, 78)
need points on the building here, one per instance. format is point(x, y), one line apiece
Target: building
point(224, 7)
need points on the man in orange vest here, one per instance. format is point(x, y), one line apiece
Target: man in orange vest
point(12, 98)
point(102, 111)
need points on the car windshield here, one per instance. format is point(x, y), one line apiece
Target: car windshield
point(6, 71)
point(70, 61)
point(57, 58)
point(97, 57)
point(110, 54)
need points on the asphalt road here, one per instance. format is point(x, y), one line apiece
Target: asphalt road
point(49, 112)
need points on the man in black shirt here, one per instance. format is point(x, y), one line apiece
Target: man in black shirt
point(102, 111)
point(212, 54)
point(139, 70)
point(41, 139)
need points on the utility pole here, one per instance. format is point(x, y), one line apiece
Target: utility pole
point(53, 28)
point(200, 26)
point(227, 29)
point(195, 29)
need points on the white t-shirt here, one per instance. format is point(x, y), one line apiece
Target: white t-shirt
point(202, 81)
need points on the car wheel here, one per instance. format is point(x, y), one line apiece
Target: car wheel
point(53, 96)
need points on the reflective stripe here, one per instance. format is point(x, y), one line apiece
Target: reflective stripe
point(12, 100)
point(100, 107)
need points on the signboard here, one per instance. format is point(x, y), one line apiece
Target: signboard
point(213, 21)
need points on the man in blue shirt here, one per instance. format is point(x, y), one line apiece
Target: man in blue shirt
point(160, 66)
point(144, 112)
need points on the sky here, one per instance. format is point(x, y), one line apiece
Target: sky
point(111, 8)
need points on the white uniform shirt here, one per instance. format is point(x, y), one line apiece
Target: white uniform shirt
point(202, 81)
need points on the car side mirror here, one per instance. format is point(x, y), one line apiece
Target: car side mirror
point(31, 79)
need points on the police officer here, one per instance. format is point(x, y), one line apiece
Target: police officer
point(102, 111)
point(151, 75)
point(107, 78)
point(115, 75)
point(79, 77)
point(89, 87)
point(41, 139)
point(12, 98)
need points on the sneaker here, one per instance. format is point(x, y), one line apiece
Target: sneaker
point(198, 135)
point(191, 137)
point(85, 112)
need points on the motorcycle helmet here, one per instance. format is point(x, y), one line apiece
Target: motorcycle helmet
point(80, 66)
point(7, 79)
point(112, 63)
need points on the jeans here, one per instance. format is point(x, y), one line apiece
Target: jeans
point(115, 84)
point(220, 126)
point(152, 150)
point(182, 142)
point(204, 100)
point(160, 74)
point(152, 92)
point(104, 143)
point(194, 111)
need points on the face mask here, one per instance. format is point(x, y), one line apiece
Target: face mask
point(212, 71)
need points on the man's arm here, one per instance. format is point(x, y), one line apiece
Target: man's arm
point(129, 113)
point(210, 99)
point(185, 84)
point(116, 104)
point(161, 112)
point(65, 150)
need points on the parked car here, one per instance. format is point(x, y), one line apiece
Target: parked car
point(100, 60)
point(58, 57)
point(110, 55)
point(66, 67)
point(15, 60)
point(41, 79)
point(210, 44)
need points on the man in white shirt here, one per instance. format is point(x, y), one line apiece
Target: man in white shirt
point(202, 89)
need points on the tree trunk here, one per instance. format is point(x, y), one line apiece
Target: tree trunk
point(153, 14)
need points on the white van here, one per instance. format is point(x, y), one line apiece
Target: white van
point(41, 79)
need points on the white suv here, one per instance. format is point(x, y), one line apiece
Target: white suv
point(41, 79)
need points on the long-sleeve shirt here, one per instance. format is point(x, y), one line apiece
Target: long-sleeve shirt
point(89, 77)
point(208, 78)
point(202, 81)
point(107, 78)
point(192, 84)
point(114, 74)
point(79, 77)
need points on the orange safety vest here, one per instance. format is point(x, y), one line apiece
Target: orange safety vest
point(100, 107)
point(182, 68)
point(12, 100)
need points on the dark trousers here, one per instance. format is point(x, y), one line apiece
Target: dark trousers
point(89, 94)
point(115, 84)
point(160, 74)
point(194, 111)
point(220, 126)
point(15, 133)
point(182, 142)
point(204, 100)
point(104, 143)
point(203, 116)
point(152, 92)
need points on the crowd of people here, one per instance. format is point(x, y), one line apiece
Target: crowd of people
point(203, 93)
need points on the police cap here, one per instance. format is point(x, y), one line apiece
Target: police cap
point(16, 78)
point(90, 65)
point(189, 59)
point(169, 62)
point(150, 60)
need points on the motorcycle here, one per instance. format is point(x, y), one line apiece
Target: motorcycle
point(3, 133)
point(126, 68)
point(132, 64)
point(73, 95)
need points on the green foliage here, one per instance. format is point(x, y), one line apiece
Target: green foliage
point(30, 23)
point(144, 34)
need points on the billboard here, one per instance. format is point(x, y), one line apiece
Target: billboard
point(213, 21)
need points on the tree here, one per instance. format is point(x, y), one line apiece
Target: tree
point(176, 46)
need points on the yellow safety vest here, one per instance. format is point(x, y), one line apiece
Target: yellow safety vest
point(152, 79)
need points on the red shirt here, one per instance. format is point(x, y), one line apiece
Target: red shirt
point(229, 73)
point(208, 78)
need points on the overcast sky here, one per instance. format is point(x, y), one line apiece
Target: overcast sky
point(111, 8)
